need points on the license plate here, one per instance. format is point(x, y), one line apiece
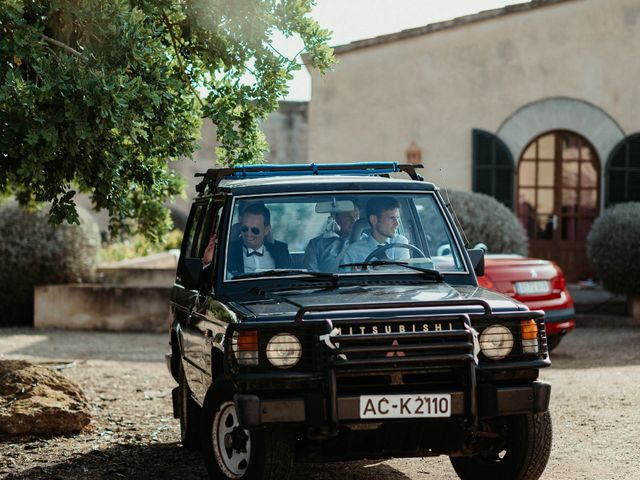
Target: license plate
point(538, 287)
point(405, 406)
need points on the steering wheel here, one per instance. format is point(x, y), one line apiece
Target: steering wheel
point(384, 248)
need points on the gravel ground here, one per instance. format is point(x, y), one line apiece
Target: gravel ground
point(595, 408)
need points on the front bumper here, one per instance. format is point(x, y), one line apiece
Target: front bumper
point(493, 401)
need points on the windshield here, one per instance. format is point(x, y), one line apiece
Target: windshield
point(342, 234)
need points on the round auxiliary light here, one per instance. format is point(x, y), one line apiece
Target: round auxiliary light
point(496, 342)
point(284, 350)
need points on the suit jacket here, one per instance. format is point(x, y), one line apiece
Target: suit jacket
point(278, 250)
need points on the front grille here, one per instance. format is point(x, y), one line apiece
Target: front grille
point(384, 343)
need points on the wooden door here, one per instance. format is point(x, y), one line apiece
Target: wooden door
point(559, 198)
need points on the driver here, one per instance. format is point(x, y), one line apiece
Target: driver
point(383, 214)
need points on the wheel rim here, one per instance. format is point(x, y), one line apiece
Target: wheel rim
point(231, 443)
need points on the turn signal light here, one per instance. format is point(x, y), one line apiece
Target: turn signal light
point(247, 340)
point(529, 335)
point(245, 347)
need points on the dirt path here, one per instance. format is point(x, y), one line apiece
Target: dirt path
point(595, 408)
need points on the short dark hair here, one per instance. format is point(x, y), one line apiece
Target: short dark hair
point(377, 205)
point(258, 209)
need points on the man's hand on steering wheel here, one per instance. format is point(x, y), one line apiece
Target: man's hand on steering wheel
point(378, 252)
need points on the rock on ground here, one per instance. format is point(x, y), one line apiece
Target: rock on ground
point(37, 400)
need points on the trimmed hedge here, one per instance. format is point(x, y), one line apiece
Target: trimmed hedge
point(613, 246)
point(485, 220)
point(33, 252)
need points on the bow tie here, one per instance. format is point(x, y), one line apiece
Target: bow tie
point(254, 252)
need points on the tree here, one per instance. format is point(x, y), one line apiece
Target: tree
point(97, 95)
point(485, 220)
point(614, 251)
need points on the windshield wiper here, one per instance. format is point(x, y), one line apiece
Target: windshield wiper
point(430, 273)
point(290, 271)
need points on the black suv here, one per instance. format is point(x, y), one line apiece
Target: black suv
point(333, 312)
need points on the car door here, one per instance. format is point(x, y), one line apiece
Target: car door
point(185, 298)
point(200, 332)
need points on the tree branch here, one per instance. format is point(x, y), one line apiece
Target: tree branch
point(63, 46)
point(167, 24)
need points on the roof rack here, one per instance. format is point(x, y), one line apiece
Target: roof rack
point(213, 176)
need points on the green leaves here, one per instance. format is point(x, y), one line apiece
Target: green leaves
point(97, 96)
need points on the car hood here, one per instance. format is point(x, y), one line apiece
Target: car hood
point(286, 304)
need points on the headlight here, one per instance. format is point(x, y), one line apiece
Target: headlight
point(496, 342)
point(284, 350)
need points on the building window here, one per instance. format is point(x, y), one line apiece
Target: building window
point(622, 174)
point(492, 167)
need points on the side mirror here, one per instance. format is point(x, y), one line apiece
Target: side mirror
point(191, 273)
point(476, 255)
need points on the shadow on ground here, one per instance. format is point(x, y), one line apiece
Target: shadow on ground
point(140, 462)
point(170, 461)
point(361, 470)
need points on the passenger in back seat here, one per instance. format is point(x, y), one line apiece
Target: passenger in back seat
point(324, 252)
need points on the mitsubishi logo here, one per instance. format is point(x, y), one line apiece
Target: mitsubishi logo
point(395, 354)
point(534, 274)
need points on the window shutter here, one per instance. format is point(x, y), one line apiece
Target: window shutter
point(492, 167)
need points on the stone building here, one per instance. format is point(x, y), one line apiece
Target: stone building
point(535, 104)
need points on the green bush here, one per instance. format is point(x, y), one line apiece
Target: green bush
point(485, 220)
point(33, 252)
point(138, 246)
point(613, 246)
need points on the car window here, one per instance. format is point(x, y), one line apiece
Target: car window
point(192, 234)
point(319, 232)
point(203, 234)
point(438, 237)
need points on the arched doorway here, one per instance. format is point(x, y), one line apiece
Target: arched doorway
point(558, 191)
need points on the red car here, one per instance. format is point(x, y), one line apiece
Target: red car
point(539, 284)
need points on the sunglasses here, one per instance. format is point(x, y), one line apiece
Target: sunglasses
point(254, 230)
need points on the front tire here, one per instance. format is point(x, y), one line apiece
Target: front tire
point(232, 452)
point(522, 455)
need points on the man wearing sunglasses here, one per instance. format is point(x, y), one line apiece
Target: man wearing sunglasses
point(251, 252)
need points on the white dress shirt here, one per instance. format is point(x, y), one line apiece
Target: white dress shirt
point(256, 262)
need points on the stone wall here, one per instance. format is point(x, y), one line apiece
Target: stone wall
point(102, 307)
